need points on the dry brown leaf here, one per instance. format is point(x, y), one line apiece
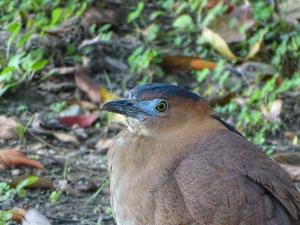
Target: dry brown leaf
point(184, 63)
point(290, 10)
point(99, 17)
point(218, 43)
point(242, 15)
point(64, 137)
point(293, 171)
point(85, 105)
point(103, 143)
point(290, 162)
point(86, 84)
point(15, 157)
point(222, 100)
point(8, 127)
point(19, 214)
point(213, 3)
point(256, 47)
point(64, 70)
point(290, 158)
point(289, 135)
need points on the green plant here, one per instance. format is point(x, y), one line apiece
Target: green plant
point(58, 106)
point(55, 196)
point(24, 22)
point(6, 217)
point(7, 193)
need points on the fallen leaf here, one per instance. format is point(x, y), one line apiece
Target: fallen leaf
point(289, 135)
point(290, 162)
point(273, 113)
point(64, 137)
point(290, 10)
point(218, 43)
point(15, 157)
point(63, 70)
point(84, 121)
point(85, 105)
point(293, 171)
point(221, 46)
point(86, 84)
point(103, 144)
point(88, 42)
point(242, 16)
point(184, 63)
point(42, 183)
point(290, 158)
point(222, 100)
point(213, 3)
point(18, 214)
point(99, 17)
point(8, 127)
point(106, 95)
point(256, 47)
point(254, 69)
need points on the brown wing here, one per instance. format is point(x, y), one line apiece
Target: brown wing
point(227, 180)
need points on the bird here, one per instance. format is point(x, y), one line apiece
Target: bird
point(178, 163)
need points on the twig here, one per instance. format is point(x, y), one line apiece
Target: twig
point(42, 140)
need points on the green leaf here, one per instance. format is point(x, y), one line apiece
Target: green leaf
point(152, 32)
point(25, 183)
point(16, 60)
point(183, 22)
point(24, 39)
point(56, 15)
point(7, 70)
point(54, 197)
point(6, 217)
point(156, 14)
point(82, 9)
point(13, 28)
point(38, 65)
point(136, 13)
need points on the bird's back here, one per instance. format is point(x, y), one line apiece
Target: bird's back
point(227, 180)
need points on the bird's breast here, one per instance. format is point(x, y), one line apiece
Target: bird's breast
point(136, 171)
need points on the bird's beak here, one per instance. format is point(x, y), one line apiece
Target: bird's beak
point(128, 107)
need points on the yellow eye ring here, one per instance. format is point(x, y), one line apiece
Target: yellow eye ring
point(162, 106)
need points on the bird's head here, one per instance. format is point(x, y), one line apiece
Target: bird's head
point(155, 106)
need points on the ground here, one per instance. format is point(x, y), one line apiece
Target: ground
point(107, 49)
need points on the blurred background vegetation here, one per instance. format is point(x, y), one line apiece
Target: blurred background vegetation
point(242, 56)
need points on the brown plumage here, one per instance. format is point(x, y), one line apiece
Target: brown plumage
point(179, 164)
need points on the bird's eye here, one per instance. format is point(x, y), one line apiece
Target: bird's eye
point(162, 106)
